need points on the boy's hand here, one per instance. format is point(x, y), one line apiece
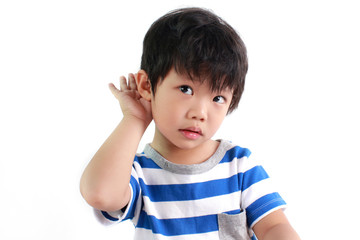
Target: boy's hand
point(131, 102)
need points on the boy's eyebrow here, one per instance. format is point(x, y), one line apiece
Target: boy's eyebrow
point(217, 87)
point(224, 91)
point(220, 91)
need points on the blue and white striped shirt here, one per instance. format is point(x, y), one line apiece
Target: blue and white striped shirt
point(221, 197)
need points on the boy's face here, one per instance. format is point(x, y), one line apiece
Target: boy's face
point(186, 113)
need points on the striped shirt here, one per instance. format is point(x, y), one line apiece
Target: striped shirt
point(221, 197)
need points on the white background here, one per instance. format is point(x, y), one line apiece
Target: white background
point(299, 113)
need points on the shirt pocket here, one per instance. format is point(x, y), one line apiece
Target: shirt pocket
point(233, 226)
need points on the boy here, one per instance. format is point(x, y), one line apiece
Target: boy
point(184, 185)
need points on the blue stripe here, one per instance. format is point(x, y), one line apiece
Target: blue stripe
point(107, 216)
point(193, 191)
point(263, 205)
point(236, 152)
point(234, 212)
point(178, 226)
point(136, 192)
point(252, 176)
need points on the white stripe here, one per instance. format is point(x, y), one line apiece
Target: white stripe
point(256, 191)
point(193, 208)
point(153, 176)
point(141, 234)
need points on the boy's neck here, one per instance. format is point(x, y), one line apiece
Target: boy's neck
point(188, 156)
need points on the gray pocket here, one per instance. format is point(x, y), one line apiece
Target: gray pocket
point(233, 226)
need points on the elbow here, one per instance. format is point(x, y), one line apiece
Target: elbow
point(93, 198)
point(103, 200)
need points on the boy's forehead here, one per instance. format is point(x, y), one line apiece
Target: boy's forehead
point(184, 75)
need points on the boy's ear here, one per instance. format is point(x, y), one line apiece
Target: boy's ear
point(143, 85)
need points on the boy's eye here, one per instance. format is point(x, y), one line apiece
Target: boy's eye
point(219, 99)
point(186, 89)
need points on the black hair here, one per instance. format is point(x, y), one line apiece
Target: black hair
point(200, 44)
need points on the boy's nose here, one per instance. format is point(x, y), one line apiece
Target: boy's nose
point(197, 112)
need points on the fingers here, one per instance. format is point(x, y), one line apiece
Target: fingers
point(132, 83)
point(124, 84)
point(113, 89)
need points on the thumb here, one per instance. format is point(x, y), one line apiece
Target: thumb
point(113, 89)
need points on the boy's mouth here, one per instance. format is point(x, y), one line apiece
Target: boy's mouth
point(191, 133)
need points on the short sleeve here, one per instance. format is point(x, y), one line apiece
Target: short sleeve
point(259, 196)
point(128, 212)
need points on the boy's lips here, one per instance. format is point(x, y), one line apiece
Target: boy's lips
point(191, 132)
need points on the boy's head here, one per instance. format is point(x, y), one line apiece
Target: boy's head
point(198, 43)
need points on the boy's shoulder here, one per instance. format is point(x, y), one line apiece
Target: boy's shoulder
point(234, 150)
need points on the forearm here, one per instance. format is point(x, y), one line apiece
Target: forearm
point(281, 232)
point(105, 181)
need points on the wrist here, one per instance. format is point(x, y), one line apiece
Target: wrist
point(135, 123)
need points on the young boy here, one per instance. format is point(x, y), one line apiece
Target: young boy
point(184, 185)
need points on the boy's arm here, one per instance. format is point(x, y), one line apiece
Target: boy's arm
point(105, 181)
point(275, 226)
